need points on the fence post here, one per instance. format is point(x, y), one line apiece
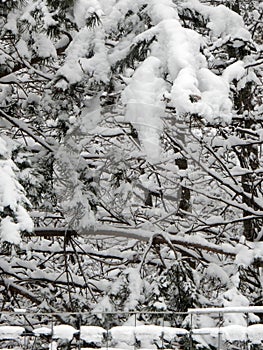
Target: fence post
point(163, 332)
point(79, 335)
point(191, 332)
point(52, 332)
point(247, 342)
point(107, 323)
point(221, 318)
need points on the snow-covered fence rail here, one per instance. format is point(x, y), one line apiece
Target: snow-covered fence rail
point(50, 333)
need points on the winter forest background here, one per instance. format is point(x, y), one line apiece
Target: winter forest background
point(131, 166)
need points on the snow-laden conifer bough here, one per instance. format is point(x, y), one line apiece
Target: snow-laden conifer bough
point(131, 158)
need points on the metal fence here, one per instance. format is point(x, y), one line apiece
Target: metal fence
point(25, 329)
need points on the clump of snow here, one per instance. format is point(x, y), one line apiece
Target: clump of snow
point(64, 332)
point(144, 105)
point(160, 10)
point(181, 47)
point(232, 298)
point(44, 46)
point(196, 89)
point(146, 335)
point(135, 287)
point(92, 335)
point(215, 101)
point(234, 72)
point(115, 12)
point(10, 24)
point(97, 65)
point(90, 114)
point(10, 332)
point(48, 19)
point(123, 336)
point(104, 305)
point(222, 21)
point(215, 271)
point(245, 256)
point(9, 231)
point(42, 331)
point(83, 9)
point(77, 65)
point(255, 333)
point(23, 50)
point(234, 332)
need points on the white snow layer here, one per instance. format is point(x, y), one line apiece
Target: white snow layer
point(145, 106)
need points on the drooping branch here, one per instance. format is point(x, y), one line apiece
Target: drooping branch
point(22, 126)
point(161, 237)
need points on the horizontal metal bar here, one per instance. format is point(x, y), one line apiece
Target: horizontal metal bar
point(197, 311)
point(226, 310)
point(88, 313)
